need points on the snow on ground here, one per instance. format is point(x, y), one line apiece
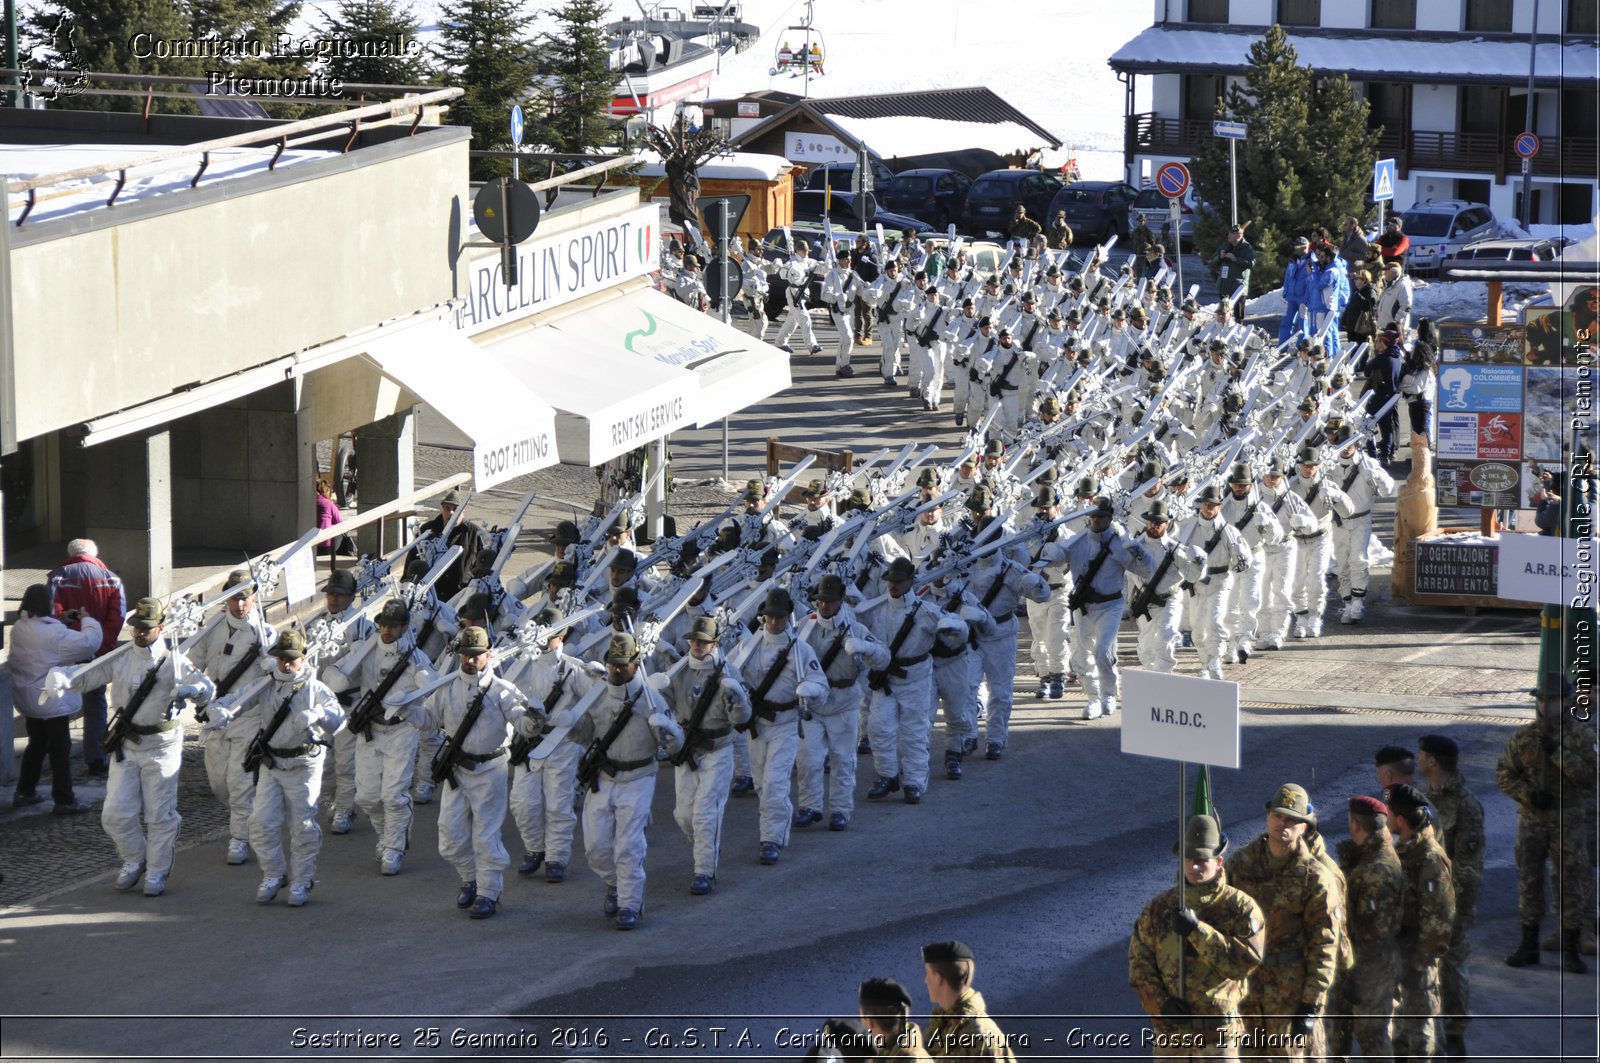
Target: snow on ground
point(1440, 300)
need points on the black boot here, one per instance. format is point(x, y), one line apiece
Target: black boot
point(1570, 959)
point(1527, 954)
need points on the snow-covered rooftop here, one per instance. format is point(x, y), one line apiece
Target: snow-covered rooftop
point(23, 161)
point(732, 166)
point(1177, 49)
point(900, 136)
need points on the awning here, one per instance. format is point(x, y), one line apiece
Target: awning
point(734, 370)
point(608, 401)
point(513, 430)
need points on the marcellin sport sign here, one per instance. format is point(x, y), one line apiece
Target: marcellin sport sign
point(1179, 717)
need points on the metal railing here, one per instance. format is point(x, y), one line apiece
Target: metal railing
point(283, 136)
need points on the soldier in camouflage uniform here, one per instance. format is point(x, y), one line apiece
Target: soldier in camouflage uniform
point(1548, 768)
point(1299, 900)
point(1375, 886)
point(1221, 933)
point(1427, 916)
point(959, 1026)
point(1461, 824)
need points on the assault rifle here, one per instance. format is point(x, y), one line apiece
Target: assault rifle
point(598, 751)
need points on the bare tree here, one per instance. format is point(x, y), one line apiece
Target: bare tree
point(682, 152)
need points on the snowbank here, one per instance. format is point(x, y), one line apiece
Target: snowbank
point(1440, 300)
point(891, 138)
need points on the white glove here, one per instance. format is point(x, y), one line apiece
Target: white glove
point(56, 684)
point(659, 681)
point(853, 646)
point(972, 614)
point(527, 725)
point(949, 624)
point(188, 691)
point(661, 723)
point(219, 716)
point(1303, 523)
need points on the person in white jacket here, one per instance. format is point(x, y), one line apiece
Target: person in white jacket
point(1394, 305)
point(40, 642)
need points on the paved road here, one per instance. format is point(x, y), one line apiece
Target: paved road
point(1041, 862)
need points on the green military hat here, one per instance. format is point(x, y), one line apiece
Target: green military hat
point(393, 614)
point(1341, 433)
point(242, 579)
point(928, 477)
point(625, 599)
point(1240, 473)
point(290, 645)
point(1151, 470)
point(778, 603)
point(1308, 406)
point(1050, 404)
point(625, 561)
point(1203, 839)
point(981, 499)
point(472, 641)
point(623, 649)
point(1158, 512)
point(1308, 456)
point(830, 588)
point(994, 448)
point(946, 952)
point(1046, 498)
point(1292, 801)
point(147, 613)
point(815, 489)
point(1103, 507)
point(705, 629)
point(451, 497)
point(566, 533)
point(341, 581)
point(1210, 493)
point(553, 619)
point(900, 570)
point(1087, 487)
point(562, 572)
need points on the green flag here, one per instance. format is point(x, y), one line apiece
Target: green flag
point(1202, 805)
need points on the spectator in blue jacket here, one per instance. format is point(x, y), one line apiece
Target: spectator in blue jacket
point(1296, 291)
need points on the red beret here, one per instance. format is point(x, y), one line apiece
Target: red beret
point(1368, 806)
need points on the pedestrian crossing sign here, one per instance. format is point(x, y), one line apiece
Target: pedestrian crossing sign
point(1382, 180)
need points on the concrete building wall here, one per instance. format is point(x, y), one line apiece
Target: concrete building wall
point(197, 294)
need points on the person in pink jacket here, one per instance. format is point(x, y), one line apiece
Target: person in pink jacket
point(40, 642)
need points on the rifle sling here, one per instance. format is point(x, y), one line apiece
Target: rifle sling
point(452, 748)
point(1081, 592)
point(276, 722)
point(113, 739)
point(759, 698)
point(1148, 595)
point(693, 734)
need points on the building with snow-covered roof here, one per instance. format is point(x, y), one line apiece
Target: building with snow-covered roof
point(900, 128)
point(1446, 81)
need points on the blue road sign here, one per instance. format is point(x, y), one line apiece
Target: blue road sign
point(516, 126)
point(1229, 130)
point(1382, 180)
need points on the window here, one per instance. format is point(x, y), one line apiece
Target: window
point(1299, 12)
point(1488, 16)
point(1394, 14)
point(1385, 106)
point(1208, 10)
point(1200, 95)
point(1583, 16)
point(1480, 109)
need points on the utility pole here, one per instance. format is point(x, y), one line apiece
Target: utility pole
point(1527, 122)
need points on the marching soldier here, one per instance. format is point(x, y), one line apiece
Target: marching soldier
point(708, 700)
point(785, 681)
point(1153, 597)
point(621, 734)
point(542, 791)
point(340, 594)
point(797, 273)
point(1313, 548)
point(959, 1027)
point(1299, 899)
point(1427, 912)
point(477, 712)
point(1226, 553)
point(1461, 833)
point(1548, 768)
point(926, 357)
point(1364, 482)
point(297, 715)
point(229, 654)
point(1099, 558)
point(898, 720)
point(891, 296)
point(1246, 510)
point(838, 292)
point(1375, 887)
point(845, 650)
point(963, 623)
point(1214, 935)
point(1050, 620)
point(149, 685)
point(1278, 574)
point(386, 746)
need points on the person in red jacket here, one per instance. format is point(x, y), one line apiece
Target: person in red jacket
point(1393, 244)
point(83, 582)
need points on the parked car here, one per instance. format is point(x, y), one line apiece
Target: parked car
point(1157, 213)
point(838, 174)
point(810, 206)
point(1439, 228)
point(938, 197)
point(1545, 249)
point(1095, 209)
point(995, 196)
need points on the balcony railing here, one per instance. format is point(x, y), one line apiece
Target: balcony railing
point(1485, 153)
